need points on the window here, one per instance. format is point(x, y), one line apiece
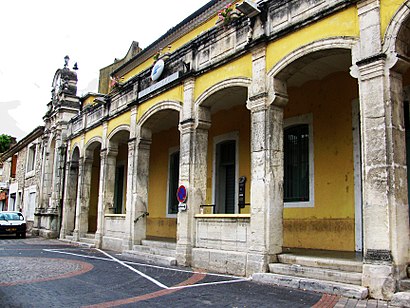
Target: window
point(119, 207)
point(31, 158)
point(225, 175)
point(298, 162)
point(173, 181)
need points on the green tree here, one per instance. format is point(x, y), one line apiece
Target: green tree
point(5, 141)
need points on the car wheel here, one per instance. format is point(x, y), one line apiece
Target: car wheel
point(23, 235)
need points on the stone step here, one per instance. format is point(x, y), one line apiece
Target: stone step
point(82, 244)
point(316, 273)
point(89, 235)
point(69, 237)
point(405, 284)
point(87, 240)
point(401, 299)
point(150, 258)
point(159, 244)
point(322, 286)
point(322, 262)
point(155, 250)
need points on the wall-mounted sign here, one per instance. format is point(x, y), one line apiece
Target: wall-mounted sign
point(181, 194)
point(157, 70)
point(159, 84)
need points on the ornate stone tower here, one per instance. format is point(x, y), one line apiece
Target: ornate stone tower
point(63, 106)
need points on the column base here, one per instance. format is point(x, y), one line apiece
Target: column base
point(380, 279)
point(257, 262)
point(184, 254)
point(98, 239)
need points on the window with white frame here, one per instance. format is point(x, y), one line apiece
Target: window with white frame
point(225, 173)
point(298, 188)
point(31, 158)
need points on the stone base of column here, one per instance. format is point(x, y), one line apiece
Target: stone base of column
point(380, 279)
point(98, 239)
point(76, 235)
point(48, 233)
point(127, 243)
point(257, 262)
point(184, 254)
point(35, 231)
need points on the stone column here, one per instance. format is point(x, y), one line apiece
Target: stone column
point(67, 201)
point(194, 128)
point(385, 204)
point(140, 189)
point(83, 195)
point(266, 223)
point(131, 180)
point(106, 190)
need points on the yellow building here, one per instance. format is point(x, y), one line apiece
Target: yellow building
point(286, 123)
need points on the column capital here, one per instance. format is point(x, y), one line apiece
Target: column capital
point(257, 102)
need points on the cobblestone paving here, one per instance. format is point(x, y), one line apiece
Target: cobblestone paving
point(24, 270)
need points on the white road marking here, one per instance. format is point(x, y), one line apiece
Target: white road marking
point(125, 264)
point(134, 270)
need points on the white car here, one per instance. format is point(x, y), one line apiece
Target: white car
point(12, 222)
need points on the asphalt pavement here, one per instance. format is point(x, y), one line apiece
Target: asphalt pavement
point(37, 272)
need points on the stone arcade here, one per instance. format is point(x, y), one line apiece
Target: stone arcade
point(306, 101)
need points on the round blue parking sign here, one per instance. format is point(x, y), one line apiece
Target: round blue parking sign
point(181, 194)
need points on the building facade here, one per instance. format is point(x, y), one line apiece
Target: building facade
point(286, 123)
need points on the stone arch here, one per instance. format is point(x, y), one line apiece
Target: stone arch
point(91, 145)
point(395, 27)
point(73, 151)
point(316, 46)
point(396, 39)
point(172, 105)
point(123, 127)
point(233, 82)
point(292, 63)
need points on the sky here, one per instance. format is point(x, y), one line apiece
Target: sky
point(36, 35)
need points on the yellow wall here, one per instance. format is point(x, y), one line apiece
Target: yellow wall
point(387, 10)
point(122, 119)
point(157, 222)
point(241, 67)
point(236, 119)
point(344, 23)
point(330, 223)
point(96, 132)
point(174, 94)
point(89, 100)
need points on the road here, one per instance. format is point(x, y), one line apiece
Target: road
point(35, 272)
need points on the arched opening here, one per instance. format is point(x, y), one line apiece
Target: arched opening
point(90, 189)
point(158, 162)
point(321, 142)
point(228, 150)
point(118, 183)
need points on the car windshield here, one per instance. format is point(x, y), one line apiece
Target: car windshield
point(11, 216)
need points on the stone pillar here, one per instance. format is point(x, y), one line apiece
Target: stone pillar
point(106, 190)
point(85, 167)
point(76, 233)
point(385, 204)
point(67, 197)
point(131, 180)
point(266, 222)
point(194, 128)
point(140, 189)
